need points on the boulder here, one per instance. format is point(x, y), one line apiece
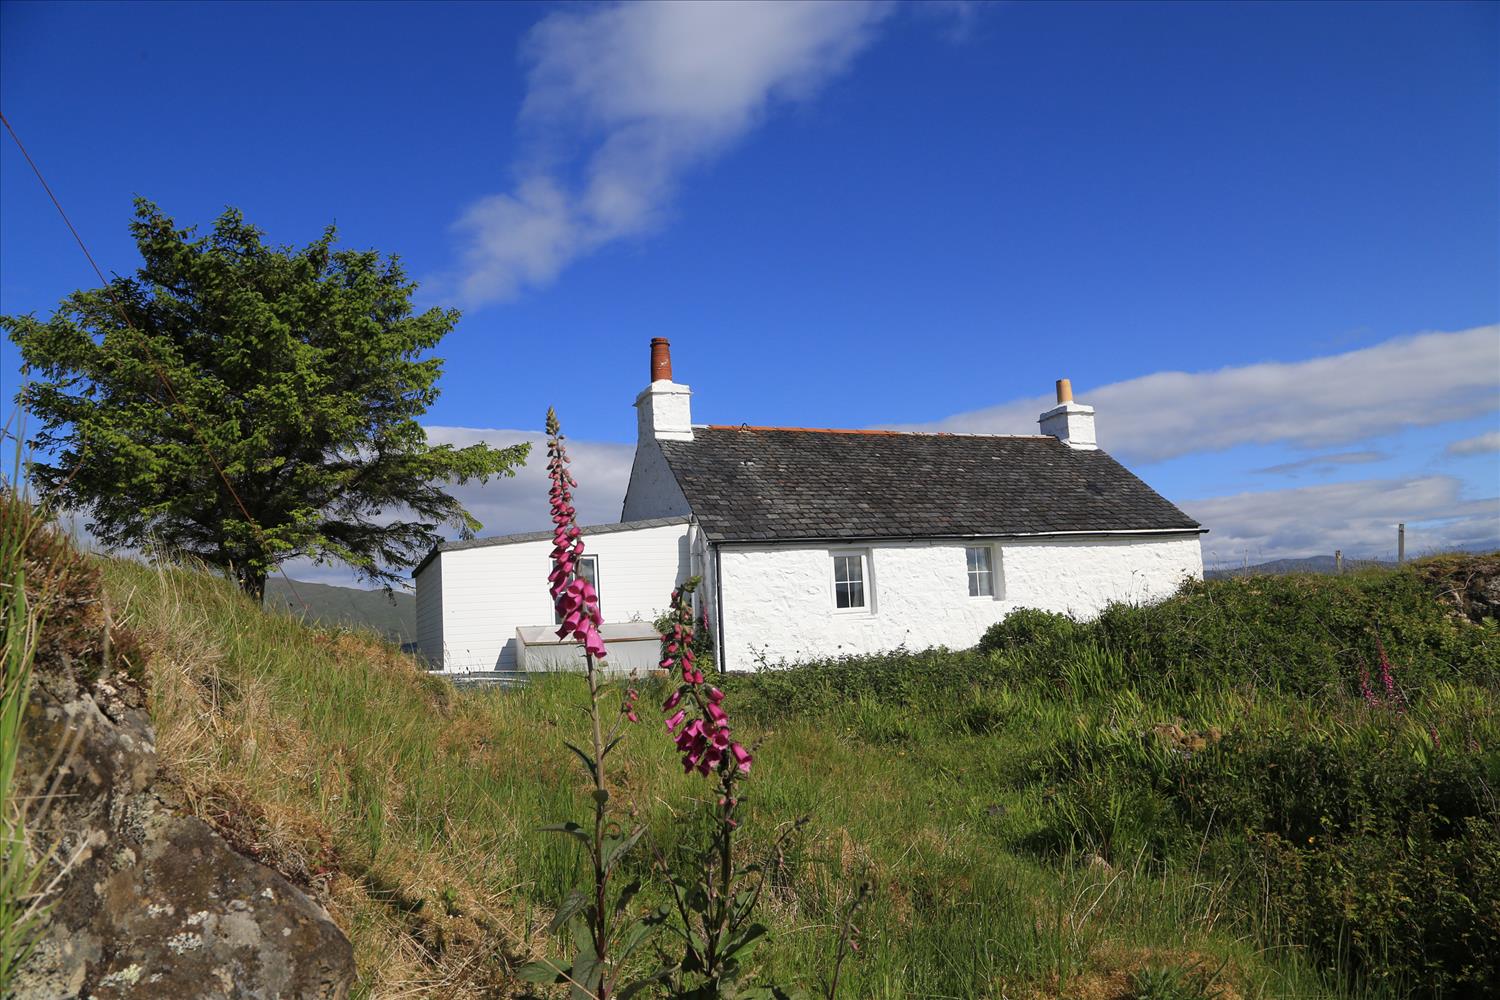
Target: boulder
point(146, 901)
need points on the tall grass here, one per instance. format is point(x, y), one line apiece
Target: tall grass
point(1038, 820)
point(22, 906)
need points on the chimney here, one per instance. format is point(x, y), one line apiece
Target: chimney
point(661, 359)
point(1069, 422)
point(662, 409)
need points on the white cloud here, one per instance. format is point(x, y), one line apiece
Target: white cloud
point(1322, 463)
point(1483, 444)
point(650, 89)
point(519, 503)
point(1422, 380)
point(1358, 517)
point(505, 506)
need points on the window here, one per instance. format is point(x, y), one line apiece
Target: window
point(981, 560)
point(849, 581)
point(588, 568)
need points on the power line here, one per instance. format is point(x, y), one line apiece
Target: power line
point(153, 360)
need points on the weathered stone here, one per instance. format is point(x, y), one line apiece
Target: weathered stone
point(148, 903)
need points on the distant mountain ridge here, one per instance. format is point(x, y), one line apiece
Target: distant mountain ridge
point(393, 615)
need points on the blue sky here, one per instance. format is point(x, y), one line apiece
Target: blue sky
point(857, 215)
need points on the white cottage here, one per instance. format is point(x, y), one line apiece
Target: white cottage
point(814, 543)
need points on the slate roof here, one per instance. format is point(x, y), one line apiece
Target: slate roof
point(771, 483)
point(543, 536)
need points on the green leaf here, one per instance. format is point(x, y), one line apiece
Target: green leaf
point(636, 933)
point(574, 902)
point(745, 941)
point(615, 848)
point(571, 829)
point(622, 901)
point(586, 975)
point(544, 971)
point(588, 761)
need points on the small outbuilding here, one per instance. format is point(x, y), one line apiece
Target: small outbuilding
point(820, 542)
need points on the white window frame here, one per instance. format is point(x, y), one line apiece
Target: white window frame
point(972, 575)
point(997, 573)
point(598, 589)
point(867, 580)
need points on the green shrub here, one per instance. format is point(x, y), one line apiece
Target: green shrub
point(1405, 910)
point(1301, 634)
point(1028, 627)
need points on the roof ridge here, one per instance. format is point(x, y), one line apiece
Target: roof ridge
point(875, 430)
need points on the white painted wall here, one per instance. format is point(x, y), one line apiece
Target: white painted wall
point(663, 412)
point(653, 490)
point(490, 591)
point(1072, 424)
point(429, 585)
point(778, 602)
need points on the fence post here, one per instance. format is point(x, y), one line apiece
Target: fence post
point(1338, 562)
point(1401, 543)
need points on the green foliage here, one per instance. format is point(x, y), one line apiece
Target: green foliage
point(1170, 982)
point(1028, 627)
point(21, 908)
point(300, 373)
point(1224, 730)
point(973, 789)
point(1298, 634)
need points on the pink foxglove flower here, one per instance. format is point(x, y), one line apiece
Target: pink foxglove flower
point(706, 743)
point(576, 601)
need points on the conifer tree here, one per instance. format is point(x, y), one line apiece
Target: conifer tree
point(260, 404)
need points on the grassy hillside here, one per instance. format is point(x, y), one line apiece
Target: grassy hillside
point(1188, 801)
point(392, 615)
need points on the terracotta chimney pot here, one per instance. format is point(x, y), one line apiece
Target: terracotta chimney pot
point(1064, 390)
point(661, 360)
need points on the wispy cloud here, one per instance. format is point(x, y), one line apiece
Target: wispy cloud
point(1484, 444)
point(1322, 463)
point(622, 100)
point(1358, 517)
point(1418, 381)
point(519, 503)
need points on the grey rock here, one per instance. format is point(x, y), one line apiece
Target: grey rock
point(150, 903)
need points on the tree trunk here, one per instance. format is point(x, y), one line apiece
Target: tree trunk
point(253, 583)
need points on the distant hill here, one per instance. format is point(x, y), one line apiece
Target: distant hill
point(1324, 564)
point(328, 605)
point(1277, 567)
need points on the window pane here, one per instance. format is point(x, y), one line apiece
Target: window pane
point(849, 581)
point(848, 569)
point(588, 569)
point(981, 576)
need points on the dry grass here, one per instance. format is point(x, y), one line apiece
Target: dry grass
point(413, 812)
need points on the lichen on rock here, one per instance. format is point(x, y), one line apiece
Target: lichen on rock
point(147, 901)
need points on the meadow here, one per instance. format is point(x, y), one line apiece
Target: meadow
point(1264, 787)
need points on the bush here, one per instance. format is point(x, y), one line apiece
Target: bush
point(1406, 910)
point(1028, 627)
point(1301, 634)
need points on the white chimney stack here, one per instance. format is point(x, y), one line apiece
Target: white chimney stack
point(663, 411)
point(1069, 422)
